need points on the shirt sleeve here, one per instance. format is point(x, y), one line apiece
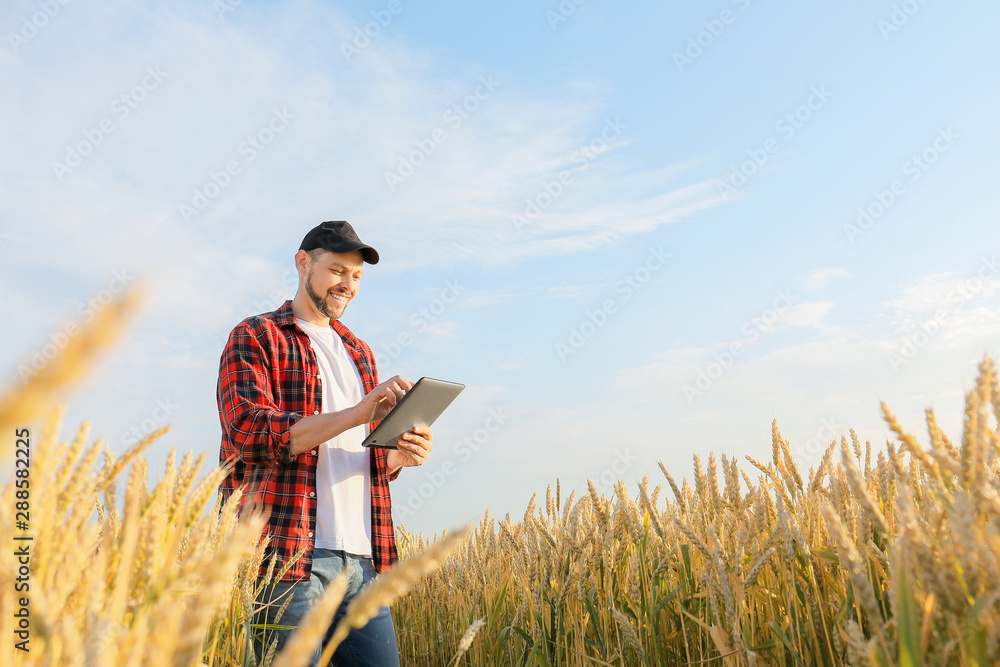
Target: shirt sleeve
point(256, 429)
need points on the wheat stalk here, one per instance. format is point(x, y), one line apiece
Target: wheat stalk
point(391, 585)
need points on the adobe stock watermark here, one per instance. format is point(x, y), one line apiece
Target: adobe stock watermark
point(453, 117)
point(704, 39)
point(87, 311)
point(580, 159)
point(121, 108)
point(32, 24)
point(913, 168)
point(465, 449)
point(108, 634)
point(899, 17)
point(381, 18)
point(829, 430)
point(750, 332)
point(626, 287)
point(223, 7)
point(562, 13)
point(248, 149)
point(786, 126)
point(157, 419)
point(621, 464)
point(276, 297)
point(419, 320)
point(967, 290)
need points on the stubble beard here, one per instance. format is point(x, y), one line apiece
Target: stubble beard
point(320, 302)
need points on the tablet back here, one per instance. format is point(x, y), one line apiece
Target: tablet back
point(422, 404)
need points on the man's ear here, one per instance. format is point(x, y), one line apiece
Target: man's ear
point(302, 262)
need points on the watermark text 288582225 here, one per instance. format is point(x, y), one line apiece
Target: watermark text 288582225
point(22, 539)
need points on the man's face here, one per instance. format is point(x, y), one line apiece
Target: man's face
point(332, 281)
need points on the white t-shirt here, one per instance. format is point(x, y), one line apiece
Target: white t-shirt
point(343, 466)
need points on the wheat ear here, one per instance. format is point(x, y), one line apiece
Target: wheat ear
point(302, 644)
point(390, 586)
point(466, 641)
point(23, 404)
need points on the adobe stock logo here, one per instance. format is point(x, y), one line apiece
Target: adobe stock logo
point(381, 18)
point(122, 107)
point(88, 310)
point(968, 289)
point(453, 116)
point(31, 25)
point(552, 190)
point(899, 17)
point(751, 331)
point(627, 286)
point(786, 126)
point(704, 39)
point(622, 463)
point(435, 480)
point(419, 320)
point(159, 416)
point(217, 181)
point(883, 200)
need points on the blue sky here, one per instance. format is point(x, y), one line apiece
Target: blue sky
point(634, 232)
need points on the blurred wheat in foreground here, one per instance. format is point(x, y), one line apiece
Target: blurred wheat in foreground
point(885, 557)
point(135, 576)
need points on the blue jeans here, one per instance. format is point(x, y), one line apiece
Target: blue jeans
point(373, 645)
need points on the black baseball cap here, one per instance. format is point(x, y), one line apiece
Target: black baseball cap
point(338, 237)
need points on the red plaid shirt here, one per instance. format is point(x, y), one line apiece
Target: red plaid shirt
point(268, 380)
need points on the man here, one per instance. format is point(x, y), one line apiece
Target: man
point(296, 391)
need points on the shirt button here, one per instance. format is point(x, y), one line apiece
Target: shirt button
point(315, 412)
point(312, 494)
point(310, 533)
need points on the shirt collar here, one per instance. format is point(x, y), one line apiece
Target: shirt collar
point(286, 318)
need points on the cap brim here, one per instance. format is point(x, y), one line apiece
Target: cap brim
point(368, 253)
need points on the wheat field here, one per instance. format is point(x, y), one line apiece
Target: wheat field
point(876, 557)
point(879, 556)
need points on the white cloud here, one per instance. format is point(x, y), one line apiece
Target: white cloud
point(819, 278)
point(949, 303)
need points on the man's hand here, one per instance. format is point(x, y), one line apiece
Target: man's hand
point(414, 448)
point(379, 401)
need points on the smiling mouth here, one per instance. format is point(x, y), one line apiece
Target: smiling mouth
point(342, 298)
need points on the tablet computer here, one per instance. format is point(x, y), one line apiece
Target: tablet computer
point(421, 405)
